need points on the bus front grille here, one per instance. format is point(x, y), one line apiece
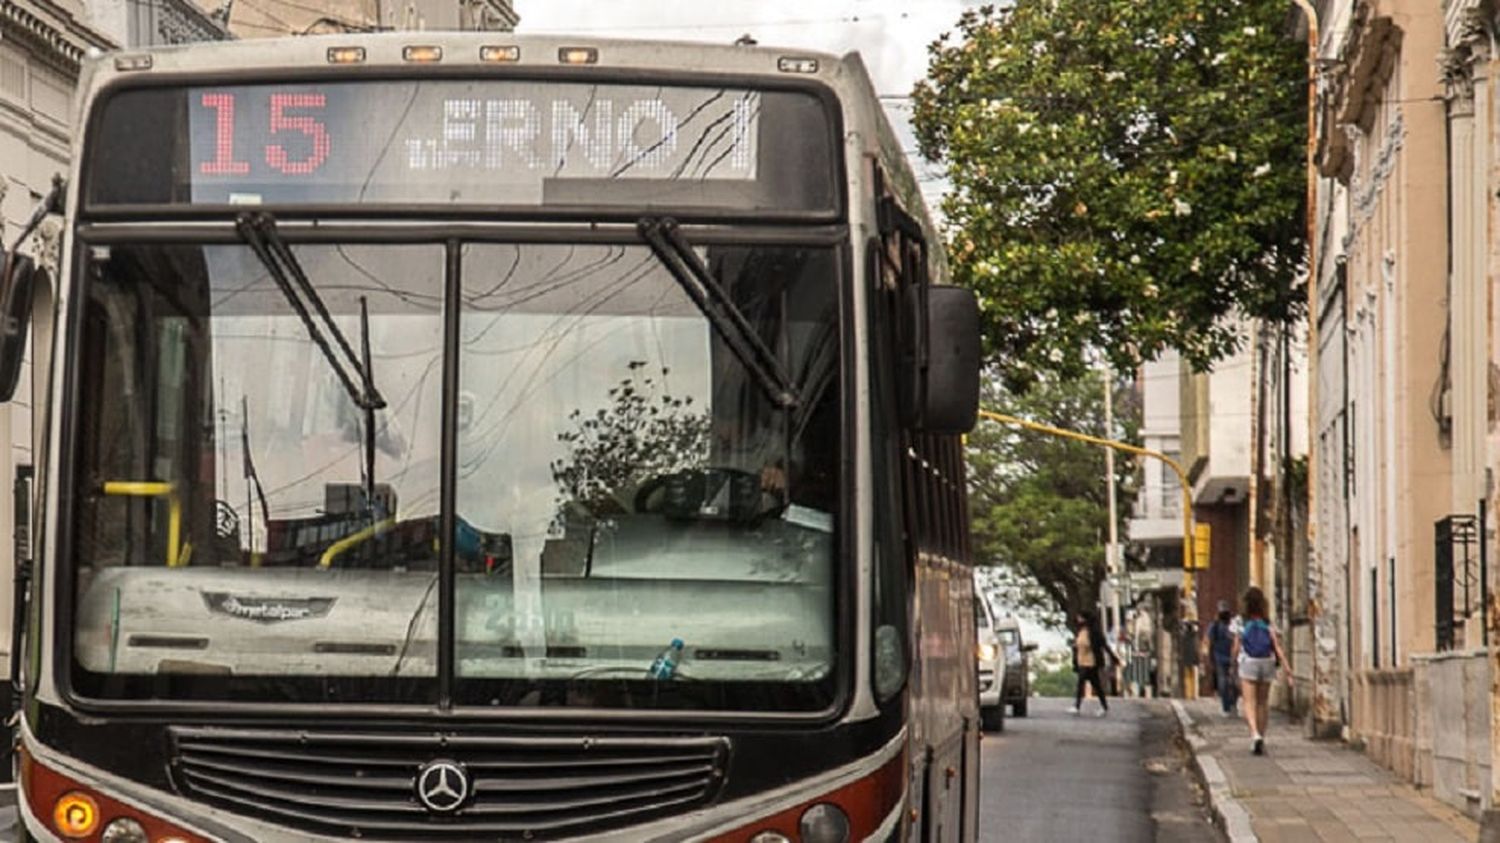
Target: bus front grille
point(367, 784)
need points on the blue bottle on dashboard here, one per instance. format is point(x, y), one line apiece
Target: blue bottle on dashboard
point(665, 664)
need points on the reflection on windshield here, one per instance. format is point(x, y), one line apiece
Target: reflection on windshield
point(223, 526)
point(651, 490)
point(622, 482)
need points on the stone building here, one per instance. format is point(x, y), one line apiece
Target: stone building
point(270, 18)
point(1405, 370)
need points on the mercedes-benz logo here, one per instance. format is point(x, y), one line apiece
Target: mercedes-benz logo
point(442, 786)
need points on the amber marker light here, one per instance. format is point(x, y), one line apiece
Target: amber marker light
point(133, 62)
point(497, 54)
point(578, 55)
point(797, 64)
point(76, 815)
point(425, 54)
point(346, 55)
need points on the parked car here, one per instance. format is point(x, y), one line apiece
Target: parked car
point(1017, 680)
point(991, 652)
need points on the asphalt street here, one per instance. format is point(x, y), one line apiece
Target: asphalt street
point(1053, 776)
point(8, 819)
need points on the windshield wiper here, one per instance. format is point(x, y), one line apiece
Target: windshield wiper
point(674, 251)
point(258, 229)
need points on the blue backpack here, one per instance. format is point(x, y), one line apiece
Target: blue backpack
point(1255, 640)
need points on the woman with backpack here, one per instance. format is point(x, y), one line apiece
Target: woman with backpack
point(1257, 650)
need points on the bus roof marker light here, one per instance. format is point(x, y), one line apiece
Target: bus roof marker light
point(139, 61)
point(346, 55)
point(76, 814)
point(422, 54)
point(796, 64)
point(578, 55)
point(498, 54)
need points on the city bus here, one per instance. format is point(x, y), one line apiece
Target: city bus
point(459, 436)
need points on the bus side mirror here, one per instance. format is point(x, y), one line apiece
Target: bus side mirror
point(16, 286)
point(942, 368)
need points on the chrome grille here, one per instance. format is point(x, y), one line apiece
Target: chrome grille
point(364, 784)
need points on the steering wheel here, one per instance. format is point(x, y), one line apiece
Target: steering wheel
point(707, 494)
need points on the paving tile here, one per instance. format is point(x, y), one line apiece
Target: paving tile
point(1333, 832)
point(1300, 834)
point(1308, 791)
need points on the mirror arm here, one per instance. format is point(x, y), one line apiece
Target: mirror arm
point(52, 203)
point(20, 585)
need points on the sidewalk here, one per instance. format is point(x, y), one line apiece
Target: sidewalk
point(1307, 791)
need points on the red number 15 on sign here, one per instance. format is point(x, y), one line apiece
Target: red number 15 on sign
point(288, 115)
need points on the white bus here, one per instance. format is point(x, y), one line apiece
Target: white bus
point(467, 436)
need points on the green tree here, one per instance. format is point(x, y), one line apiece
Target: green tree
point(1039, 503)
point(1125, 174)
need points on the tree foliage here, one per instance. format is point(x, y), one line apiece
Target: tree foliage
point(1039, 503)
point(644, 432)
point(1125, 174)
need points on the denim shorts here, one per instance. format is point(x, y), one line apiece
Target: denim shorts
point(1257, 670)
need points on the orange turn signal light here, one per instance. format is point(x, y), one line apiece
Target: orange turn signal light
point(500, 53)
point(578, 55)
point(76, 814)
point(346, 55)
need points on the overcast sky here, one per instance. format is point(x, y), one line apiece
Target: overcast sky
point(892, 35)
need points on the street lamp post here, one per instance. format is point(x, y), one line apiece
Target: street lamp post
point(1190, 674)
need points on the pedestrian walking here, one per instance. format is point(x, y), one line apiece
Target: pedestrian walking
point(1220, 650)
point(1258, 654)
point(1089, 650)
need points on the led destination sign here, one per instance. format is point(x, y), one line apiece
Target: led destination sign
point(488, 142)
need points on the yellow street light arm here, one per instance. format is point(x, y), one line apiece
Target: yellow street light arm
point(1187, 495)
point(1189, 607)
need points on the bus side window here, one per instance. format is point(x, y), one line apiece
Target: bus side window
point(892, 558)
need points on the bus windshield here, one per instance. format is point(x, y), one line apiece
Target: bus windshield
point(245, 528)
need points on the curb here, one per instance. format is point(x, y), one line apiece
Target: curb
point(1229, 814)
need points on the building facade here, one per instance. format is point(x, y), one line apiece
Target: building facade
point(1406, 364)
point(1215, 412)
point(280, 17)
point(1155, 531)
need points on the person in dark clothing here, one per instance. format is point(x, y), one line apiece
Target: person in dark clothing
point(1221, 654)
point(1090, 647)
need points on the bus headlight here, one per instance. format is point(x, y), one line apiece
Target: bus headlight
point(986, 652)
point(770, 837)
point(824, 823)
point(124, 830)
